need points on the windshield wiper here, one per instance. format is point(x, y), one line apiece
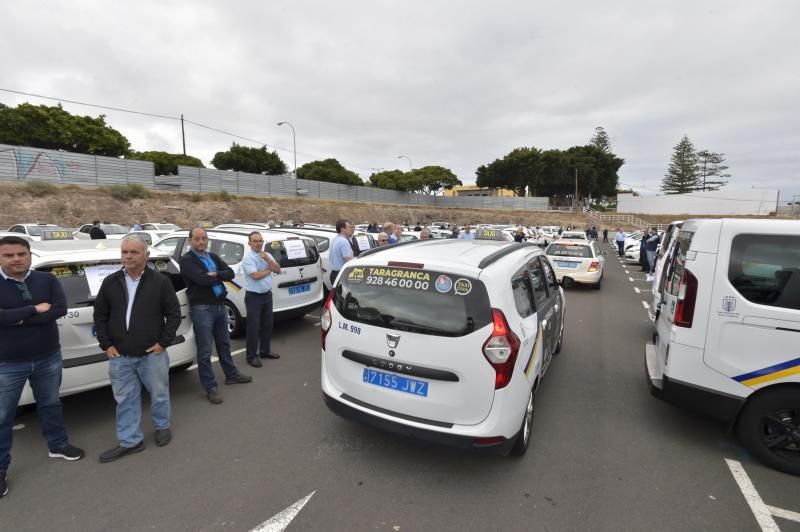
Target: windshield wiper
point(416, 327)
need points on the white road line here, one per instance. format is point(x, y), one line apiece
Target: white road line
point(630, 279)
point(215, 359)
point(645, 305)
point(280, 521)
point(20, 426)
point(784, 514)
point(760, 510)
point(637, 290)
point(626, 271)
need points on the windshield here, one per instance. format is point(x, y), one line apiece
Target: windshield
point(420, 301)
point(36, 230)
point(565, 250)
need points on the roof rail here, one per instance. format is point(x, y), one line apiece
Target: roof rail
point(396, 244)
point(506, 250)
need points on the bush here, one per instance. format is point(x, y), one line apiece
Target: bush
point(222, 195)
point(195, 197)
point(128, 192)
point(40, 188)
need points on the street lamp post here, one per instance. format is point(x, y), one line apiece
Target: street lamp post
point(294, 145)
point(410, 166)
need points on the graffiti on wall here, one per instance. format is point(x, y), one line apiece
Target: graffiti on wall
point(26, 164)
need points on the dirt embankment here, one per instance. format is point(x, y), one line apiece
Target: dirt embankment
point(71, 206)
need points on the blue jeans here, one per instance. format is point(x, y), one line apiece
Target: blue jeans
point(44, 375)
point(259, 323)
point(211, 326)
point(651, 260)
point(127, 375)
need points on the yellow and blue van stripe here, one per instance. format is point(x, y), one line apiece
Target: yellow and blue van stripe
point(771, 373)
point(233, 285)
point(532, 356)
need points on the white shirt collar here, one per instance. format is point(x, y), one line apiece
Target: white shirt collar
point(6, 277)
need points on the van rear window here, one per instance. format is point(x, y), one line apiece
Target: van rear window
point(75, 279)
point(293, 252)
point(407, 299)
point(765, 269)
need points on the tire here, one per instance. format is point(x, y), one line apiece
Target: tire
point(523, 438)
point(597, 285)
point(769, 428)
point(235, 320)
point(181, 367)
point(557, 350)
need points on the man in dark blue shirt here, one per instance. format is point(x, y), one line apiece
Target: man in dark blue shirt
point(30, 304)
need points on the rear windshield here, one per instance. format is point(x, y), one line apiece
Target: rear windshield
point(675, 266)
point(293, 252)
point(81, 282)
point(420, 301)
point(563, 250)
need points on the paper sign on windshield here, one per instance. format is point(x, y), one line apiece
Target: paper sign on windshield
point(295, 249)
point(363, 242)
point(96, 274)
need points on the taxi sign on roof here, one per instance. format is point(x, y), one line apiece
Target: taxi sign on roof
point(489, 234)
point(57, 235)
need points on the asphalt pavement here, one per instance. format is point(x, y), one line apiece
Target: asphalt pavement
point(605, 455)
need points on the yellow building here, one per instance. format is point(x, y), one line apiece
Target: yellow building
point(473, 190)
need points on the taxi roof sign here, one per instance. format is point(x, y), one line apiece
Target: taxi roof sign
point(489, 234)
point(57, 235)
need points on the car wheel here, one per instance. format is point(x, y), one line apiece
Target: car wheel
point(557, 350)
point(598, 284)
point(523, 438)
point(769, 428)
point(567, 282)
point(235, 320)
point(181, 367)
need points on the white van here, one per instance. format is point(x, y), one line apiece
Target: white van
point(727, 340)
point(296, 290)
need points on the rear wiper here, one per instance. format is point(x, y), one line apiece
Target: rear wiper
point(415, 327)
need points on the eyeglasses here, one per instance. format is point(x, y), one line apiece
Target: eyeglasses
point(26, 294)
point(383, 240)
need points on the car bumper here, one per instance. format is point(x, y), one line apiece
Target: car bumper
point(580, 277)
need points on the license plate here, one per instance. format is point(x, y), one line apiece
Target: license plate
point(567, 264)
point(396, 382)
point(299, 289)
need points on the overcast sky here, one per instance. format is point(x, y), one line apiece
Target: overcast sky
point(456, 84)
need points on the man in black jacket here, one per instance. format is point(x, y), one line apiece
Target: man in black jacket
point(96, 232)
point(136, 315)
point(204, 273)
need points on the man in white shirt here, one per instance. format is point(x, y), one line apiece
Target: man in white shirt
point(258, 267)
point(467, 233)
point(341, 250)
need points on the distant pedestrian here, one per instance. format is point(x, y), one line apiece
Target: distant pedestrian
point(651, 247)
point(425, 234)
point(204, 273)
point(388, 228)
point(341, 250)
point(136, 316)
point(96, 232)
point(467, 234)
point(519, 235)
point(593, 234)
point(643, 252)
point(383, 239)
point(258, 267)
point(620, 239)
point(417, 227)
point(605, 235)
point(398, 232)
point(31, 302)
point(136, 226)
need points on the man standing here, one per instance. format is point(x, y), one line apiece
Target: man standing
point(96, 232)
point(652, 247)
point(388, 228)
point(398, 233)
point(605, 235)
point(30, 304)
point(467, 234)
point(203, 273)
point(136, 316)
point(258, 267)
point(620, 239)
point(425, 234)
point(341, 251)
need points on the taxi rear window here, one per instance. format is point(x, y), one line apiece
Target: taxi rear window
point(414, 300)
point(562, 250)
point(293, 252)
point(81, 281)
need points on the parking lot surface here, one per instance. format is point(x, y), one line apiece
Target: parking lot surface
point(605, 455)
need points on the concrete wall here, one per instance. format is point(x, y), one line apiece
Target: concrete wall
point(722, 202)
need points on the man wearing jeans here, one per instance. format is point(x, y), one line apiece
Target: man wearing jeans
point(258, 267)
point(204, 273)
point(30, 304)
point(136, 316)
point(620, 240)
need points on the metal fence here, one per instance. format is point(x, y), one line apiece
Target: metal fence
point(20, 163)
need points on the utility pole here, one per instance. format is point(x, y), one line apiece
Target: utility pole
point(183, 135)
point(576, 190)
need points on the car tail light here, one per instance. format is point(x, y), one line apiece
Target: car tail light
point(501, 349)
point(687, 296)
point(325, 319)
point(595, 266)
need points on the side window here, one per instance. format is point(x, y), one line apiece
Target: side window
point(523, 293)
point(17, 229)
point(168, 245)
point(765, 269)
point(85, 228)
point(549, 276)
point(149, 227)
point(230, 252)
point(322, 243)
point(538, 283)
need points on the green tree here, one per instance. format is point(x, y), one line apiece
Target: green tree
point(166, 163)
point(711, 167)
point(252, 160)
point(431, 179)
point(54, 128)
point(391, 180)
point(600, 140)
point(597, 171)
point(682, 175)
point(519, 169)
point(330, 171)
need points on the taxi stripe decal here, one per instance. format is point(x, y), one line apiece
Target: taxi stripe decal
point(532, 357)
point(778, 371)
point(233, 285)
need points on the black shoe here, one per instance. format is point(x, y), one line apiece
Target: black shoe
point(238, 379)
point(3, 484)
point(163, 437)
point(214, 398)
point(68, 452)
point(256, 363)
point(119, 451)
point(270, 355)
